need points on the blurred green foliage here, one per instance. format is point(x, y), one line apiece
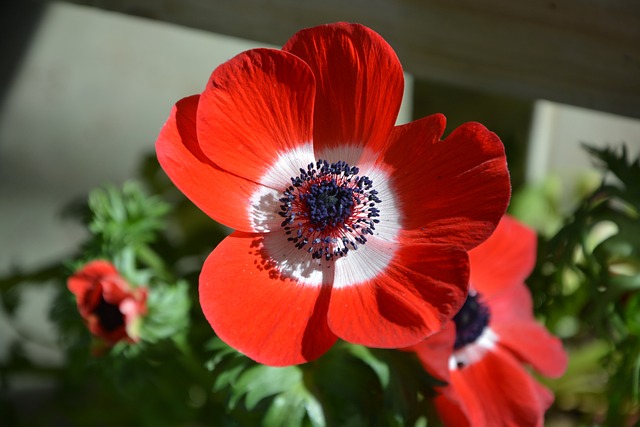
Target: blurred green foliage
point(585, 288)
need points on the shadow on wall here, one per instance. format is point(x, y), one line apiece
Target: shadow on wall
point(18, 21)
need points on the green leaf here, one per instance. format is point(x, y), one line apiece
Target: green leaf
point(628, 171)
point(539, 205)
point(348, 388)
point(281, 394)
point(167, 312)
point(126, 217)
point(261, 381)
point(404, 384)
point(221, 352)
point(295, 407)
point(227, 374)
point(380, 368)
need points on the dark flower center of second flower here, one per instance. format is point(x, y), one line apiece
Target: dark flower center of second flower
point(329, 209)
point(471, 320)
point(110, 316)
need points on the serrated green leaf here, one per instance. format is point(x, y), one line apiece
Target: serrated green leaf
point(407, 385)
point(286, 410)
point(227, 375)
point(314, 410)
point(125, 217)
point(295, 407)
point(616, 161)
point(167, 312)
point(222, 351)
point(261, 381)
point(379, 367)
point(348, 388)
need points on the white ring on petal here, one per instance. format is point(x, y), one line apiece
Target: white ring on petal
point(350, 154)
point(363, 264)
point(390, 213)
point(288, 165)
point(265, 204)
point(474, 352)
point(263, 210)
point(292, 262)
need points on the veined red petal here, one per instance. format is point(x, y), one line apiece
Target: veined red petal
point(86, 284)
point(505, 259)
point(409, 143)
point(257, 107)
point(452, 412)
point(221, 195)
point(83, 281)
point(422, 287)
point(434, 352)
point(533, 344)
point(513, 321)
point(495, 392)
point(255, 309)
point(511, 304)
point(452, 191)
point(359, 84)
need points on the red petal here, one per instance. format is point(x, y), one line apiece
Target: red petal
point(545, 396)
point(115, 289)
point(83, 279)
point(510, 304)
point(86, 284)
point(505, 259)
point(359, 84)
point(496, 392)
point(135, 306)
point(253, 308)
point(434, 352)
point(423, 286)
point(453, 191)
point(220, 194)
point(452, 413)
point(512, 319)
point(533, 344)
point(256, 107)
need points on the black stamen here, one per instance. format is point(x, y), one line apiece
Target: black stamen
point(332, 208)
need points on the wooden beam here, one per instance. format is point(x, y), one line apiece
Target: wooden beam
point(580, 52)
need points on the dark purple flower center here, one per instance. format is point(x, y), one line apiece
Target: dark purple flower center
point(471, 320)
point(328, 209)
point(110, 316)
point(328, 203)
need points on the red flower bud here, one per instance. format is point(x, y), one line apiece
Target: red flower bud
point(109, 306)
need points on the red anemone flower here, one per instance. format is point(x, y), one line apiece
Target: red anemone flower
point(109, 306)
point(346, 225)
point(482, 351)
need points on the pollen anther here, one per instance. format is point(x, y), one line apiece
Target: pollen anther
point(329, 208)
